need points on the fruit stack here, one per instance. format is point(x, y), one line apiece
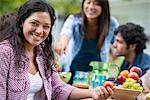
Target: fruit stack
point(130, 79)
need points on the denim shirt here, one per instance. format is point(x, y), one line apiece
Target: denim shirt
point(14, 81)
point(141, 60)
point(72, 30)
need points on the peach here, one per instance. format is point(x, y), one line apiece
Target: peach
point(133, 75)
point(137, 70)
point(124, 73)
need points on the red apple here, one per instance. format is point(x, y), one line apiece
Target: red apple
point(120, 79)
point(108, 84)
point(137, 70)
point(133, 75)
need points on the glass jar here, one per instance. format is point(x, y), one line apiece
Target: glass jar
point(97, 80)
point(81, 77)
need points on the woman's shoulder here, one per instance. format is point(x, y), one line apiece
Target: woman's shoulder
point(5, 43)
point(113, 22)
point(75, 17)
point(146, 57)
point(5, 46)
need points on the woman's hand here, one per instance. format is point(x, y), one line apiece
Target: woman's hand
point(61, 46)
point(101, 93)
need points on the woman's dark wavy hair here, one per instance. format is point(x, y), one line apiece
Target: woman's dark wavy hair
point(7, 24)
point(24, 12)
point(133, 34)
point(104, 22)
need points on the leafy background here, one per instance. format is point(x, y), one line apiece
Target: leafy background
point(63, 7)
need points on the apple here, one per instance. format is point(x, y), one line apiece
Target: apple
point(133, 75)
point(108, 84)
point(120, 79)
point(137, 70)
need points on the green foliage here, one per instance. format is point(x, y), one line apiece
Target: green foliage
point(64, 7)
point(7, 6)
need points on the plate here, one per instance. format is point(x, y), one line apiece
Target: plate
point(125, 94)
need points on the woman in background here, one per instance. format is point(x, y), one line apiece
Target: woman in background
point(86, 36)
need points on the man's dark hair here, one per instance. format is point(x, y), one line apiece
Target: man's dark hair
point(133, 34)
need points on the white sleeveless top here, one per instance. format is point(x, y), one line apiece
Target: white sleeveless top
point(36, 84)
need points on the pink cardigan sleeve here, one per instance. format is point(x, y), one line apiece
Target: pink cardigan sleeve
point(60, 90)
point(4, 67)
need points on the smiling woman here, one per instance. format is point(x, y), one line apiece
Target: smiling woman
point(92, 9)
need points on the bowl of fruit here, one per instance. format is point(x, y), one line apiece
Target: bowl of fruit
point(129, 90)
point(125, 94)
point(128, 85)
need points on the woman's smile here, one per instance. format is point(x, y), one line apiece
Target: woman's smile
point(36, 37)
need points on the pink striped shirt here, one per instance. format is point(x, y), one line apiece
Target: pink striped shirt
point(14, 82)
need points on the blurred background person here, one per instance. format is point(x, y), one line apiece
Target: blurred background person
point(130, 41)
point(7, 22)
point(86, 36)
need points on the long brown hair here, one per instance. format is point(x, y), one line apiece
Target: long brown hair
point(7, 24)
point(103, 22)
point(26, 10)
